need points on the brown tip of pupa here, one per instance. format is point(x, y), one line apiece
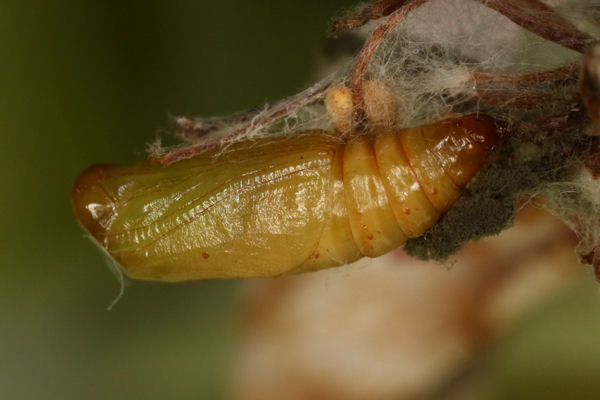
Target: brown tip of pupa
point(482, 129)
point(92, 204)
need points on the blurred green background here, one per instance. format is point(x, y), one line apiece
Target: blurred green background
point(94, 81)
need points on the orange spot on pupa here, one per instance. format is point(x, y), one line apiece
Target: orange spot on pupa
point(407, 211)
point(317, 255)
point(435, 191)
point(205, 255)
point(369, 236)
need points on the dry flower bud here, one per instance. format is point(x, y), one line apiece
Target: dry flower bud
point(338, 103)
point(381, 106)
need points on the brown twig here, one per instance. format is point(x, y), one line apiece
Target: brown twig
point(533, 15)
point(514, 99)
point(265, 117)
point(369, 49)
point(535, 131)
point(559, 76)
point(590, 83)
point(365, 14)
point(196, 129)
point(542, 20)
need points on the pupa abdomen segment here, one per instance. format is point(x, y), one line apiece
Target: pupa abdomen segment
point(281, 205)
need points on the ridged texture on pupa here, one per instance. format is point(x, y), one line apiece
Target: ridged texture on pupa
point(280, 205)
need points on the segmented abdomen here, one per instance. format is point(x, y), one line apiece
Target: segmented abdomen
point(396, 185)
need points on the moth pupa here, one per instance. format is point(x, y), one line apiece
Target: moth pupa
point(281, 205)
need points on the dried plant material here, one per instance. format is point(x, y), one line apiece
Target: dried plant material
point(338, 103)
point(381, 107)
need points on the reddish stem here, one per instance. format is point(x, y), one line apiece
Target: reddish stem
point(365, 14)
point(195, 129)
point(542, 20)
point(590, 83)
point(369, 49)
point(276, 111)
point(514, 99)
point(491, 80)
point(551, 126)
